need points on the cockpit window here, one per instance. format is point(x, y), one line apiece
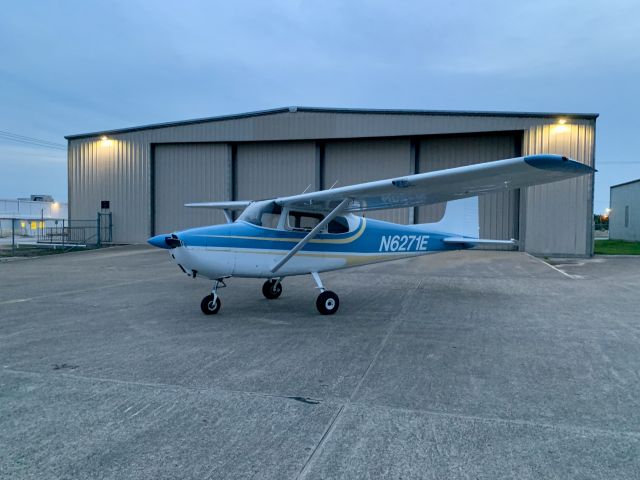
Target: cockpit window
point(263, 214)
point(303, 221)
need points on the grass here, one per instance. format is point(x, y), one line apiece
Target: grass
point(617, 247)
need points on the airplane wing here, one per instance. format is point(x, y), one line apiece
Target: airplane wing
point(232, 205)
point(442, 185)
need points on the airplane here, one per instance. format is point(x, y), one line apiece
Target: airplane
point(316, 232)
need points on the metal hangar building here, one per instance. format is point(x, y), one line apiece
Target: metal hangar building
point(148, 173)
point(624, 219)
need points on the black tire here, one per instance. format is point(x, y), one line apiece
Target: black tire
point(327, 303)
point(270, 290)
point(208, 307)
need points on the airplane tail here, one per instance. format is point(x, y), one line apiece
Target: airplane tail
point(461, 220)
point(461, 217)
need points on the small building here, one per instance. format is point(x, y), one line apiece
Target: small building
point(144, 175)
point(624, 218)
point(30, 214)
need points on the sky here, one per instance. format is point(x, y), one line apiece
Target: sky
point(71, 66)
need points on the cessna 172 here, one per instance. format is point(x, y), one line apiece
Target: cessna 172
point(316, 232)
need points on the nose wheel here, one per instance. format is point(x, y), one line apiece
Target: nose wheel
point(210, 305)
point(272, 289)
point(327, 302)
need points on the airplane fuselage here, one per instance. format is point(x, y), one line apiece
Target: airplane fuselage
point(242, 249)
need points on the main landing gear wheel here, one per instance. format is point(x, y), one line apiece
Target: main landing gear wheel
point(210, 305)
point(272, 289)
point(327, 303)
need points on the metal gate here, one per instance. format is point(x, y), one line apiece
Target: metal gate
point(96, 232)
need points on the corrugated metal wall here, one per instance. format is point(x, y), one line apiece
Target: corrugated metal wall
point(357, 161)
point(267, 170)
point(558, 217)
point(499, 212)
point(189, 173)
point(625, 204)
point(120, 170)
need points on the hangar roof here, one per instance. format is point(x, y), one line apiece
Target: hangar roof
point(625, 183)
point(372, 111)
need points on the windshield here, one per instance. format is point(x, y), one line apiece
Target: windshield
point(263, 214)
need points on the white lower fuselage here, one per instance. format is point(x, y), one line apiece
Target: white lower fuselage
point(243, 250)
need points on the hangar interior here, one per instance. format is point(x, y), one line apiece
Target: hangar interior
point(148, 173)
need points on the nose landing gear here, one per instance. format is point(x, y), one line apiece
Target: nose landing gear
point(211, 304)
point(272, 288)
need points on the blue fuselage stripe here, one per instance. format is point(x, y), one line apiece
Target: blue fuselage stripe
point(370, 237)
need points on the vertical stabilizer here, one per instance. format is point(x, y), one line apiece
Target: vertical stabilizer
point(461, 217)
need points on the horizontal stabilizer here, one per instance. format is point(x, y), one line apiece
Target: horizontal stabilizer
point(478, 241)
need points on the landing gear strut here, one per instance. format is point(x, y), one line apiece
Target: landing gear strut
point(327, 302)
point(272, 288)
point(210, 304)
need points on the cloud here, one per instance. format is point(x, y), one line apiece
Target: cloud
point(74, 66)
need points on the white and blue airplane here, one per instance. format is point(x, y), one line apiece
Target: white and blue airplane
point(317, 232)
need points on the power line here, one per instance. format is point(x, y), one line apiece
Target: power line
point(31, 138)
point(31, 154)
point(36, 142)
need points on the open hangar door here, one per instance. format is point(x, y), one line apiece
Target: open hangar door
point(499, 212)
point(185, 173)
point(355, 161)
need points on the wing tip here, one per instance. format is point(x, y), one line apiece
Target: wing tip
point(558, 162)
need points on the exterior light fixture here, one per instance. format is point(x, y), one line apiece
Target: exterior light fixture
point(560, 127)
point(106, 141)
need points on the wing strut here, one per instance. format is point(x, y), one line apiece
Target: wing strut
point(336, 211)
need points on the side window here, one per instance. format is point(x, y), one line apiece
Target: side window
point(270, 220)
point(303, 221)
point(338, 225)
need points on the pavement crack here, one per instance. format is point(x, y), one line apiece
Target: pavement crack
point(310, 401)
point(392, 328)
point(327, 433)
